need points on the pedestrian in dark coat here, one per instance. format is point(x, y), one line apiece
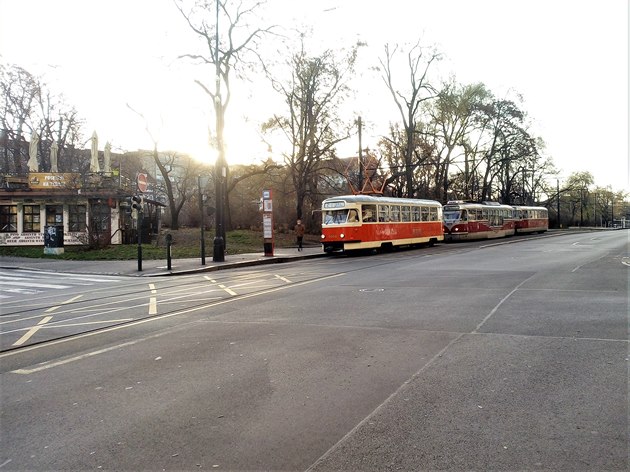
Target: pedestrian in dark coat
point(299, 233)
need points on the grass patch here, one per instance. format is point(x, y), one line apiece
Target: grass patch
point(186, 244)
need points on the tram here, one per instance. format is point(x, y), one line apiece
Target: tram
point(531, 219)
point(487, 220)
point(468, 220)
point(355, 222)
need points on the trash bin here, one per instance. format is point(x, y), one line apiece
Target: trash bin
point(53, 239)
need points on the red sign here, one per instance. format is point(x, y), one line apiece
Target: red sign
point(142, 182)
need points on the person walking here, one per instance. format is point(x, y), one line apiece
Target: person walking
point(299, 233)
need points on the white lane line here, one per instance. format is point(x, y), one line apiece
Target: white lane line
point(221, 286)
point(77, 358)
point(153, 300)
point(283, 279)
point(494, 310)
point(152, 306)
point(139, 322)
point(32, 331)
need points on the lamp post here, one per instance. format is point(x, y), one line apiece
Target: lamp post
point(203, 240)
point(220, 168)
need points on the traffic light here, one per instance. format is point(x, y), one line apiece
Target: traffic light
point(137, 202)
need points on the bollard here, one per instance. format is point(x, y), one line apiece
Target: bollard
point(169, 241)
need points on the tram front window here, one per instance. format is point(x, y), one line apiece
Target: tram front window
point(335, 217)
point(451, 215)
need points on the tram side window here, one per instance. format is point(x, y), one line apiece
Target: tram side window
point(369, 213)
point(383, 213)
point(394, 212)
point(8, 218)
point(405, 213)
point(415, 213)
point(31, 219)
point(425, 213)
point(433, 214)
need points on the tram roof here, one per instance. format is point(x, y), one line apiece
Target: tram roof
point(525, 207)
point(477, 205)
point(371, 199)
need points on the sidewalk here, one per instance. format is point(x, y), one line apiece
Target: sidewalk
point(156, 268)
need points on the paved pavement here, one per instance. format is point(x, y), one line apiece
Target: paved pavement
point(156, 268)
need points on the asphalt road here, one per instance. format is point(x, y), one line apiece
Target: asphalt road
point(511, 355)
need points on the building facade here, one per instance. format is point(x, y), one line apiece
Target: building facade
point(90, 210)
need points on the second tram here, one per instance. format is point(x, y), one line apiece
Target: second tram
point(531, 219)
point(354, 222)
point(487, 220)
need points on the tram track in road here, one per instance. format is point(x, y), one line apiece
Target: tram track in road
point(164, 298)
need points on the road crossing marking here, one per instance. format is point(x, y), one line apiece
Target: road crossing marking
point(30, 283)
point(141, 322)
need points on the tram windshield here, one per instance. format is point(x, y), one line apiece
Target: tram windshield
point(451, 215)
point(338, 217)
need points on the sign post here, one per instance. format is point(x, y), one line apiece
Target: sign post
point(267, 208)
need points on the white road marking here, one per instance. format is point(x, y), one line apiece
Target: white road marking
point(32, 331)
point(221, 286)
point(283, 279)
point(139, 322)
point(30, 284)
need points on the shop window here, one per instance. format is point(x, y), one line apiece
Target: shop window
point(8, 218)
point(76, 218)
point(100, 215)
point(31, 219)
point(54, 215)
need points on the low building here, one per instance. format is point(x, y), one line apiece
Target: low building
point(91, 209)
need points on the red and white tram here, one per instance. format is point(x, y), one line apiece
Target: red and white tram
point(465, 220)
point(352, 222)
point(531, 219)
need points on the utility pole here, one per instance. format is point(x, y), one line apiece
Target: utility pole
point(203, 239)
point(220, 168)
point(360, 187)
point(558, 188)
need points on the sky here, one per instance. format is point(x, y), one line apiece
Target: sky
point(568, 59)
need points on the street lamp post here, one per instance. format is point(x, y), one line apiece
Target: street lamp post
point(203, 239)
point(220, 169)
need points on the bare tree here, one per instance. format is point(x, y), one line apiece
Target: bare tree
point(179, 174)
point(58, 123)
point(232, 51)
point(452, 115)
point(20, 92)
point(313, 94)
point(419, 61)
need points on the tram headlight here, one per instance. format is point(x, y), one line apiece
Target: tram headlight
point(342, 235)
point(456, 229)
point(323, 237)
